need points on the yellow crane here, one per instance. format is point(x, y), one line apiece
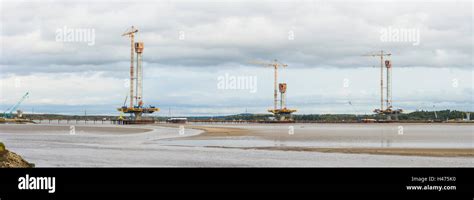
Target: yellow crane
point(275, 64)
point(130, 32)
point(283, 113)
point(136, 110)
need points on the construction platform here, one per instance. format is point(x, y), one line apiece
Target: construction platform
point(391, 114)
point(388, 111)
point(133, 121)
point(136, 115)
point(138, 110)
point(281, 115)
point(283, 111)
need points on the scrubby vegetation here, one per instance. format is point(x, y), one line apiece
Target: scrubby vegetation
point(9, 159)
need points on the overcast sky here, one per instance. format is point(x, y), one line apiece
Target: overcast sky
point(191, 45)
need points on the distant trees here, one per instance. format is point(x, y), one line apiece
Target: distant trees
point(441, 115)
point(433, 115)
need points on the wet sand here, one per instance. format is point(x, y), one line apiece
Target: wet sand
point(336, 132)
point(218, 132)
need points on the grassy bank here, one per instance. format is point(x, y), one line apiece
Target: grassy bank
point(9, 159)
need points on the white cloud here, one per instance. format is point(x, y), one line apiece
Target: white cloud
point(62, 89)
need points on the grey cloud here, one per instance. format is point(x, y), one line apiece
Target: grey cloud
point(216, 33)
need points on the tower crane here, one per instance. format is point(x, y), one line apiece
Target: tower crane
point(136, 108)
point(275, 64)
point(388, 64)
point(131, 34)
point(283, 114)
point(380, 54)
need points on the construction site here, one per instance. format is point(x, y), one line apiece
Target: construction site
point(136, 109)
point(10, 117)
point(103, 97)
point(388, 110)
point(281, 114)
point(240, 140)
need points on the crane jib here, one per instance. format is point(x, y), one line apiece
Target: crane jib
point(9, 112)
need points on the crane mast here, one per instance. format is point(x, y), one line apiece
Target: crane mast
point(131, 34)
point(381, 55)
